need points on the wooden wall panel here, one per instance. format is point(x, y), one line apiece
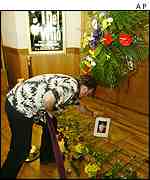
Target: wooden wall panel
point(16, 64)
point(107, 94)
point(135, 96)
point(56, 63)
point(23, 61)
point(12, 65)
point(4, 80)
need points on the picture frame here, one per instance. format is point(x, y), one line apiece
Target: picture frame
point(101, 128)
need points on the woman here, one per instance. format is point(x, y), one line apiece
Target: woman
point(26, 104)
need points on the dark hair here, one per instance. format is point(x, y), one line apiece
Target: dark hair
point(88, 81)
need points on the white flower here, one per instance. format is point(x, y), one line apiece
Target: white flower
point(130, 65)
point(94, 23)
point(102, 14)
point(89, 58)
point(91, 37)
point(93, 63)
point(110, 19)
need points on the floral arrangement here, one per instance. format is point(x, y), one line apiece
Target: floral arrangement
point(83, 158)
point(91, 169)
point(112, 44)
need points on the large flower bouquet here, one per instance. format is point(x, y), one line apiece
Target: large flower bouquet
point(112, 44)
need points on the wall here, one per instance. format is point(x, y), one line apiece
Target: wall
point(8, 28)
point(15, 31)
point(15, 35)
point(73, 28)
point(12, 22)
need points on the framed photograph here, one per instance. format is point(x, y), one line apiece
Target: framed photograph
point(101, 128)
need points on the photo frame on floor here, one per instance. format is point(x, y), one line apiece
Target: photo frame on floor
point(101, 128)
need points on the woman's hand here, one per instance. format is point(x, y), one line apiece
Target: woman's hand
point(86, 111)
point(82, 109)
point(97, 113)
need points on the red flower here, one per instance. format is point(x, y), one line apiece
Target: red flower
point(107, 39)
point(125, 39)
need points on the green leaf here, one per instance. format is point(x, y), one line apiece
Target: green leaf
point(98, 50)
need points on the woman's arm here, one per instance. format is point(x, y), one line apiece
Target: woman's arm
point(49, 101)
point(85, 110)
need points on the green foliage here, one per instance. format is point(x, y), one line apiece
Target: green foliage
point(129, 21)
point(112, 60)
point(108, 72)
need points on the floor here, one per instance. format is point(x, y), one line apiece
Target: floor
point(128, 130)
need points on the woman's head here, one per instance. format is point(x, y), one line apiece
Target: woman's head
point(87, 85)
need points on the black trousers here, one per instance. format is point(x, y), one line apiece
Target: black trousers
point(21, 131)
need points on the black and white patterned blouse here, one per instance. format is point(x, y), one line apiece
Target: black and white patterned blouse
point(27, 97)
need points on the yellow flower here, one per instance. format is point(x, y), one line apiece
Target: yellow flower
point(107, 57)
point(91, 169)
point(79, 148)
point(60, 129)
point(92, 52)
point(86, 39)
point(105, 23)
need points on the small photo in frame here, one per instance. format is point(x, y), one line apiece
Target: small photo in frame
point(101, 128)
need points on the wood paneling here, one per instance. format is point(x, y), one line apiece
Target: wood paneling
point(136, 94)
point(107, 94)
point(16, 64)
point(75, 51)
point(4, 80)
point(56, 63)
